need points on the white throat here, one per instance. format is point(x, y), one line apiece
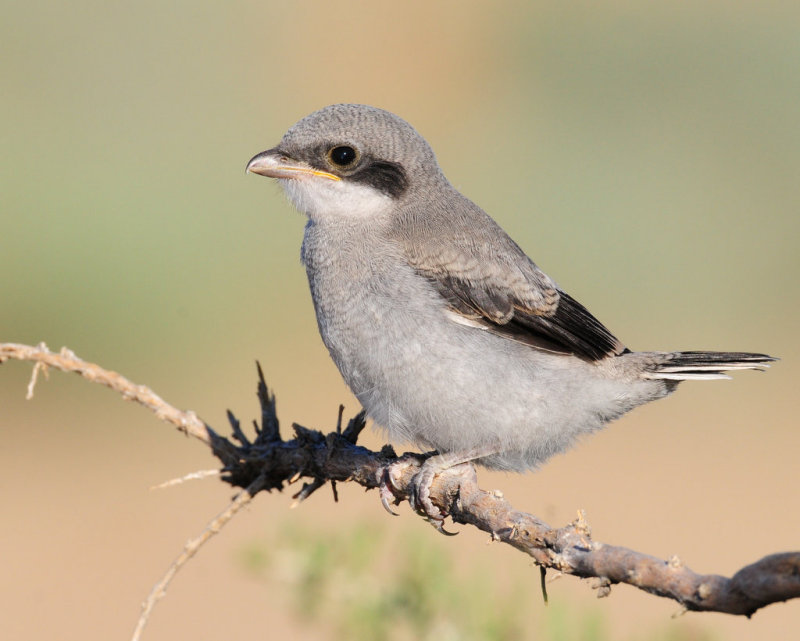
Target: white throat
point(322, 198)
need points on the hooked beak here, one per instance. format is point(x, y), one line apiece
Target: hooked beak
point(274, 164)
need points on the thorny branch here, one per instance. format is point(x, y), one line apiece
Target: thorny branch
point(268, 462)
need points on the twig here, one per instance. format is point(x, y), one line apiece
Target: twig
point(190, 549)
point(67, 361)
point(191, 476)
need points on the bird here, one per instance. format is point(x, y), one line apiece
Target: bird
point(447, 333)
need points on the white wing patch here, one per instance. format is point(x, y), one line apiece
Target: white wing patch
point(463, 320)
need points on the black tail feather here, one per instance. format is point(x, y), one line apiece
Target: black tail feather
point(707, 365)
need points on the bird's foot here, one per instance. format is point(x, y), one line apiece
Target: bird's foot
point(420, 491)
point(419, 487)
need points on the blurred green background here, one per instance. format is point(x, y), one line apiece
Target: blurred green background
point(644, 154)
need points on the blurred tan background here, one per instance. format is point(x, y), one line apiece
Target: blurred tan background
point(644, 154)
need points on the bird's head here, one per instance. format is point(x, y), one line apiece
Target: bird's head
point(349, 161)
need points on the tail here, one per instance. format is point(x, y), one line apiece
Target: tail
point(685, 366)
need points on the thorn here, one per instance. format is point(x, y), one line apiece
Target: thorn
point(674, 562)
point(307, 490)
point(269, 431)
point(339, 420)
point(603, 587)
point(355, 426)
point(38, 367)
point(237, 430)
point(581, 523)
point(543, 582)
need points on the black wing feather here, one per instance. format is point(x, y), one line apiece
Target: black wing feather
point(568, 328)
point(572, 326)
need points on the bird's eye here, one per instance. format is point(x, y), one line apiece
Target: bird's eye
point(343, 156)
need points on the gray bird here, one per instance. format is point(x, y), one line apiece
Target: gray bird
point(446, 332)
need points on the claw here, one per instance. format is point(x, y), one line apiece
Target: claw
point(438, 524)
point(387, 507)
point(387, 490)
point(386, 494)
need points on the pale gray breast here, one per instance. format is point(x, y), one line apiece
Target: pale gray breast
point(369, 302)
